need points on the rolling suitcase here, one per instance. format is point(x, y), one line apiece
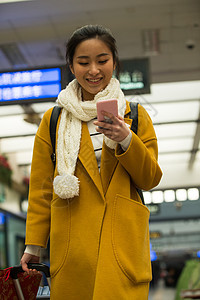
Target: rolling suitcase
point(14, 285)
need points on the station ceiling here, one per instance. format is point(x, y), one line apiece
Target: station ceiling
point(34, 33)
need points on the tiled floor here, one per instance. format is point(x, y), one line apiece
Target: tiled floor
point(161, 292)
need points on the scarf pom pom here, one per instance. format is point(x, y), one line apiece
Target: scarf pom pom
point(66, 186)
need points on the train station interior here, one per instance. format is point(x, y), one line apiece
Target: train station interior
point(159, 49)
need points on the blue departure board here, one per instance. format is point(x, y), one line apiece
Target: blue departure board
point(35, 85)
point(2, 218)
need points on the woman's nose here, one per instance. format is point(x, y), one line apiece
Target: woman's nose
point(94, 70)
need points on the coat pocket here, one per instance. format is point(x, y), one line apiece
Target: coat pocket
point(130, 239)
point(60, 233)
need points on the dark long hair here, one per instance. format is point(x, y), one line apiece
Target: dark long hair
point(88, 32)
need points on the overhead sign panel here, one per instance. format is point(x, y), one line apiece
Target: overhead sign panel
point(134, 76)
point(30, 86)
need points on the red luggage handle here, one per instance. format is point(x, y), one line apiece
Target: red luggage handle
point(38, 266)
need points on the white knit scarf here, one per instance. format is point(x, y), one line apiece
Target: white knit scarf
point(66, 185)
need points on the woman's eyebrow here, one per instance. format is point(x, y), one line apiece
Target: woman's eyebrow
point(82, 56)
point(103, 54)
point(99, 55)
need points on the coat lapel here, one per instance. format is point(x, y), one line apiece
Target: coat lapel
point(88, 158)
point(108, 165)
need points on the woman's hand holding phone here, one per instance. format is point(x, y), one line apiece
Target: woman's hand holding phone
point(109, 122)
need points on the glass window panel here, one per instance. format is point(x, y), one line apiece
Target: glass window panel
point(181, 194)
point(173, 91)
point(175, 130)
point(17, 144)
point(171, 112)
point(169, 196)
point(147, 197)
point(157, 197)
point(173, 158)
point(10, 109)
point(42, 107)
point(170, 145)
point(193, 194)
point(15, 125)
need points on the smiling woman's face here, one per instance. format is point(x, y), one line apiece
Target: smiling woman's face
point(93, 66)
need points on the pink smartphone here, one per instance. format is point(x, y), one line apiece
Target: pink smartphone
point(110, 106)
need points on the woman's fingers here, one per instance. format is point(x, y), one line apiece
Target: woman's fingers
point(110, 119)
point(24, 261)
point(115, 128)
point(31, 272)
point(29, 258)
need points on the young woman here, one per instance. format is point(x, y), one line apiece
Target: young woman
point(90, 207)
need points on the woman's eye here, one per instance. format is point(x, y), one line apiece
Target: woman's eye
point(103, 61)
point(83, 64)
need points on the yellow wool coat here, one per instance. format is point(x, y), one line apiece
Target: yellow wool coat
point(99, 240)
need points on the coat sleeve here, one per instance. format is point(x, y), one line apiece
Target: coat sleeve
point(140, 159)
point(40, 189)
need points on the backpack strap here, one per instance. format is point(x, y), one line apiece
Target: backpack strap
point(134, 128)
point(134, 116)
point(53, 124)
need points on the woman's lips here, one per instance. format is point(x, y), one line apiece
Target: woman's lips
point(94, 81)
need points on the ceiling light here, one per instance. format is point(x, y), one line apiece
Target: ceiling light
point(193, 194)
point(157, 197)
point(181, 194)
point(169, 196)
point(24, 205)
point(147, 197)
point(10, 1)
